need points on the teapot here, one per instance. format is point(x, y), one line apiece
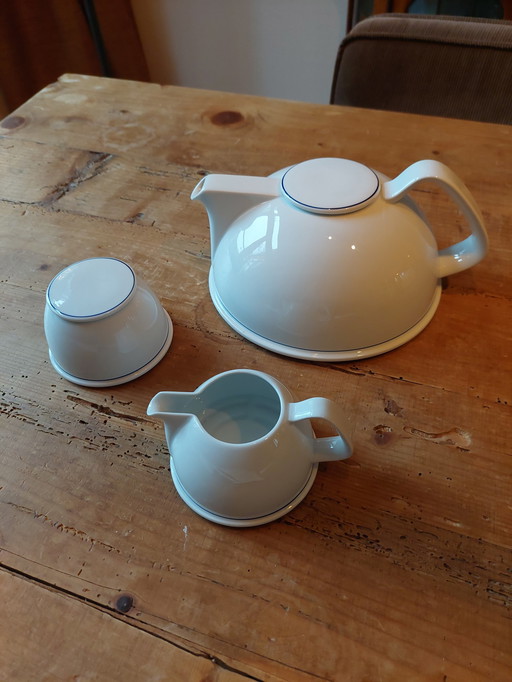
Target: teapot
point(329, 259)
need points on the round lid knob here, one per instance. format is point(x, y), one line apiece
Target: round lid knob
point(330, 185)
point(91, 288)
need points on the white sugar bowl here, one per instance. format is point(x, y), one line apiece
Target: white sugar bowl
point(104, 325)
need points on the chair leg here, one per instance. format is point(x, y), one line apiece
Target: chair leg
point(507, 9)
point(381, 6)
point(401, 5)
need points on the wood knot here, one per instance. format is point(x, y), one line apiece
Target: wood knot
point(226, 118)
point(12, 122)
point(124, 603)
point(391, 407)
point(382, 434)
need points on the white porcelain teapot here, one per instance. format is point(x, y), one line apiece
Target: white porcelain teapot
point(329, 259)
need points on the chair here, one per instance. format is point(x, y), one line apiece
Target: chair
point(457, 67)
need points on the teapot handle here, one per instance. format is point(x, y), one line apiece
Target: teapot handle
point(330, 447)
point(465, 253)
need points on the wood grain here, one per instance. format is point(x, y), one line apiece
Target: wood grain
point(397, 566)
point(85, 636)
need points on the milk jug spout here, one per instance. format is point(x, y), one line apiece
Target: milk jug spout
point(174, 409)
point(225, 197)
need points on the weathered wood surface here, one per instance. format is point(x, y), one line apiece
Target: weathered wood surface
point(397, 566)
point(90, 643)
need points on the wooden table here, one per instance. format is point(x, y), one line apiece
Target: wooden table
point(398, 564)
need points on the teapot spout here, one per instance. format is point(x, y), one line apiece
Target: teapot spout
point(225, 197)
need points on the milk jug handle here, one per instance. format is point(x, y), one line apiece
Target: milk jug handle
point(331, 447)
point(465, 253)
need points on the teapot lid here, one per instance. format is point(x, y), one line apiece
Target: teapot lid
point(329, 185)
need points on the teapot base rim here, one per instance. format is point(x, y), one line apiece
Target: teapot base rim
point(320, 355)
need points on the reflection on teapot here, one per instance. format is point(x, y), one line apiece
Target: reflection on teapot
point(329, 259)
